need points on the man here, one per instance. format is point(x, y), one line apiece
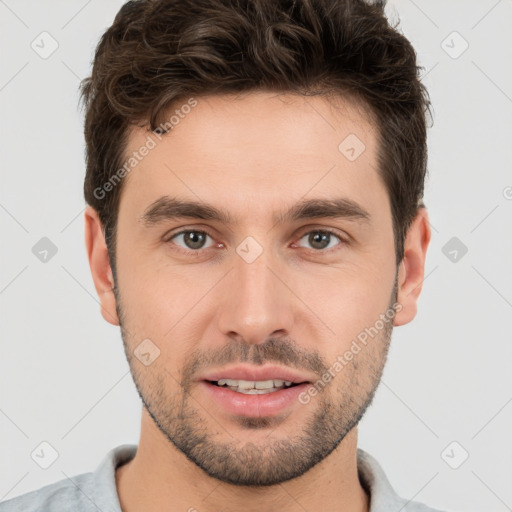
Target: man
point(255, 173)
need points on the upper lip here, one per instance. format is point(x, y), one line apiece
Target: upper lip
point(254, 373)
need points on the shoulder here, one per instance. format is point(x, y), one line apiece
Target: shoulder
point(383, 497)
point(87, 492)
point(65, 494)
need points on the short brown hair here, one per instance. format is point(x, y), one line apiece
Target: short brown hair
point(158, 52)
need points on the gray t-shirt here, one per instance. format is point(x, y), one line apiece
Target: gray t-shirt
point(96, 491)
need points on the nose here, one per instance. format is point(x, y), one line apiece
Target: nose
point(255, 303)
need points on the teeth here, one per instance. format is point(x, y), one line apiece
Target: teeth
point(227, 382)
point(254, 387)
point(268, 384)
point(254, 391)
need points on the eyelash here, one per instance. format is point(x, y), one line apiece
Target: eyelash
point(204, 232)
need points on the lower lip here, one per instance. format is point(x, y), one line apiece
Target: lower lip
point(254, 406)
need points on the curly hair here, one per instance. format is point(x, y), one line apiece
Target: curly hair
point(158, 52)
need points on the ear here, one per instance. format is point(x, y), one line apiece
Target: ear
point(412, 267)
point(99, 263)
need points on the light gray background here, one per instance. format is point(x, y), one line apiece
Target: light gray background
point(64, 378)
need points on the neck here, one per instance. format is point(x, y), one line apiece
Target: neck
point(161, 478)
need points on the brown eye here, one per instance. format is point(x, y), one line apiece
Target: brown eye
point(190, 239)
point(321, 240)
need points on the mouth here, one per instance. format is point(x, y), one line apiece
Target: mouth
point(260, 387)
point(251, 391)
point(253, 399)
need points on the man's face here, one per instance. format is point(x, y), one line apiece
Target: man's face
point(258, 291)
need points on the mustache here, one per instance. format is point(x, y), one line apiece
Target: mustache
point(274, 350)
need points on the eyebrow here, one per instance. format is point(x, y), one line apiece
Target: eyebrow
point(169, 208)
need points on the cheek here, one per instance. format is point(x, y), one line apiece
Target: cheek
point(166, 303)
point(343, 302)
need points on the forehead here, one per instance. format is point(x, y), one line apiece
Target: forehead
point(255, 149)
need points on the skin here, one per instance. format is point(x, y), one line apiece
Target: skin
point(296, 305)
